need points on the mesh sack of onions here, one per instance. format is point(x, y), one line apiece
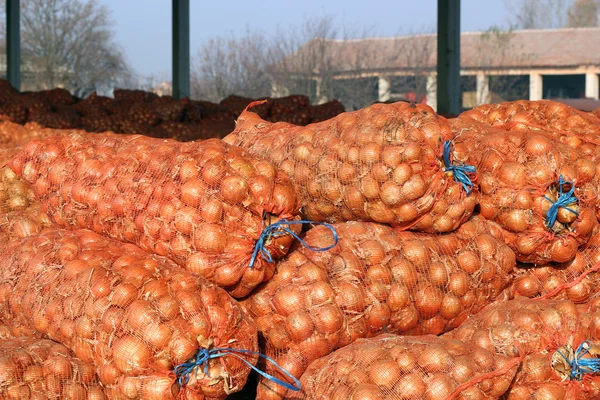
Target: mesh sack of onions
point(15, 193)
point(573, 127)
point(576, 280)
point(40, 369)
point(381, 164)
point(539, 190)
point(375, 280)
point(152, 329)
point(556, 340)
point(207, 205)
point(16, 225)
point(408, 368)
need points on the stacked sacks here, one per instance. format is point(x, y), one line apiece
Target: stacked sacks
point(150, 328)
point(375, 280)
point(207, 205)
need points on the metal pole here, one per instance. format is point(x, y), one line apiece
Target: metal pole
point(13, 43)
point(181, 48)
point(448, 57)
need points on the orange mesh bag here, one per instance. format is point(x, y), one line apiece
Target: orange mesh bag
point(15, 193)
point(596, 113)
point(151, 328)
point(555, 339)
point(408, 368)
point(539, 190)
point(208, 206)
point(384, 163)
point(576, 280)
point(15, 225)
point(38, 369)
point(575, 128)
point(375, 280)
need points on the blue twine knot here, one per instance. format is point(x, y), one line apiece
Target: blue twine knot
point(459, 171)
point(183, 371)
point(564, 199)
point(581, 366)
point(280, 228)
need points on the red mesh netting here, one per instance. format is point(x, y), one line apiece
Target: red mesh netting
point(576, 280)
point(375, 280)
point(203, 205)
point(519, 174)
point(576, 128)
point(408, 368)
point(135, 316)
point(38, 369)
point(382, 164)
point(536, 330)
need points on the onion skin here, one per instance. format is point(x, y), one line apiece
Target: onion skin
point(377, 279)
point(154, 316)
point(179, 200)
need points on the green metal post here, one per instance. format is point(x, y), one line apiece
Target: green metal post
point(181, 48)
point(448, 57)
point(13, 43)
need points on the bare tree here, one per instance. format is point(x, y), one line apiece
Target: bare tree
point(583, 13)
point(302, 59)
point(537, 14)
point(225, 66)
point(69, 43)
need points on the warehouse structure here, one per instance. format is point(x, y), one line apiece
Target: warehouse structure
point(534, 64)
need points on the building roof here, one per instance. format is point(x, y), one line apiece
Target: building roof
point(568, 47)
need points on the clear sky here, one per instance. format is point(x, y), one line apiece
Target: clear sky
point(143, 27)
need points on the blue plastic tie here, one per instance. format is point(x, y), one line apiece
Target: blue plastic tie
point(280, 228)
point(459, 171)
point(183, 371)
point(581, 366)
point(564, 199)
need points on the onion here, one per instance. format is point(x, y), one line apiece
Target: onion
point(350, 297)
point(299, 326)
point(288, 300)
point(234, 189)
point(428, 300)
point(367, 392)
point(468, 261)
point(440, 386)
point(434, 359)
point(130, 354)
point(327, 319)
point(384, 373)
point(212, 238)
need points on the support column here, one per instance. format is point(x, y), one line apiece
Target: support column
point(431, 91)
point(483, 89)
point(181, 48)
point(448, 57)
point(536, 86)
point(591, 85)
point(13, 43)
point(384, 88)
